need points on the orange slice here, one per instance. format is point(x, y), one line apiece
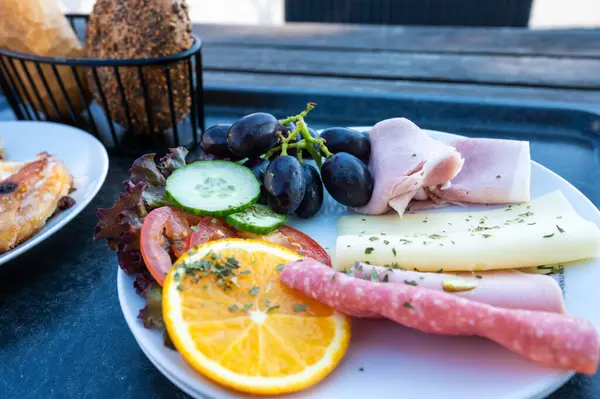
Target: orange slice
point(233, 321)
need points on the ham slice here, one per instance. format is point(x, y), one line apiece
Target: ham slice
point(511, 289)
point(551, 339)
point(494, 172)
point(403, 161)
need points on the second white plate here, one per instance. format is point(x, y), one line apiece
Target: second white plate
point(83, 155)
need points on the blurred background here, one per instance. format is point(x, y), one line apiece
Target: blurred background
point(544, 13)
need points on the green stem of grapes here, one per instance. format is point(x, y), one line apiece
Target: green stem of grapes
point(307, 140)
point(309, 107)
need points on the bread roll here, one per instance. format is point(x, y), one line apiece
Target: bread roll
point(136, 29)
point(39, 27)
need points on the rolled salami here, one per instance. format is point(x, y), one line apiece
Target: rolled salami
point(551, 339)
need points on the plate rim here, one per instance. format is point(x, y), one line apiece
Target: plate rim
point(70, 214)
point(539, 390)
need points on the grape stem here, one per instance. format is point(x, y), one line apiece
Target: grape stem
point(306, 143)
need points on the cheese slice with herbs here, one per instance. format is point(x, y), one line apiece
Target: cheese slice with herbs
point(545, 231)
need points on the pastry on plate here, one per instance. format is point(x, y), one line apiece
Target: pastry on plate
point(30, 193)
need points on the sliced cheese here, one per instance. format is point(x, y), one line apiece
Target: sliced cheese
point(548, 232)
point(552, 205)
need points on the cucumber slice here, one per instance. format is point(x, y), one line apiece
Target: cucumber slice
point(213, 188)
point(257, 219)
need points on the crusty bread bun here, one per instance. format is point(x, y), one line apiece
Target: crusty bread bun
point(135, 29)
point(39, 27)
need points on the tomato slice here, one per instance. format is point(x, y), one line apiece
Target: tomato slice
point(295, 240)
point(168, 228)
point(305, 245)
point(165, 228)
point(210, 229)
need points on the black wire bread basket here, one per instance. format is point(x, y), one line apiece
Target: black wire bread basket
point(131, 106)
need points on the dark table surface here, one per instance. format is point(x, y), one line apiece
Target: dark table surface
point(62, 333)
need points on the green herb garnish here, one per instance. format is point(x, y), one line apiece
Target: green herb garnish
point(369, 250)
point(254, 290)
point(549, 235)
point(233, 308)
point(300, 307)
point(280, 267)
point(374, 276)
point(559, 229)
point(410, 282)
point(408, 305)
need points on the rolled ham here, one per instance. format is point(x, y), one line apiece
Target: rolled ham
point(551, 339)
point(511, 289)
point(403, 161)
point(494, 172)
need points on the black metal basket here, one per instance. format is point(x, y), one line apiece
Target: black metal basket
point(38, 88)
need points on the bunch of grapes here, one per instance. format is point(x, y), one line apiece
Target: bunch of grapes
point(276, 151)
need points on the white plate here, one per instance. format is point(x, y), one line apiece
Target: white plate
point(83, 155)
point(397, 361)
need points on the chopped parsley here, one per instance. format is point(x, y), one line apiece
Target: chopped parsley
point(272, 308)
point(386, 242)
point(440, 271)
point(300, 307)
point(410, 282)
point(435, 236)
point(385, 278)
point(369, 250)
point(243, 273)
point(247, 307)
point(195, 228)
point(374, 276)
point(394, 252)
point(254, 290)
point(486, 235)
point(559, 229)
point(408, 305)
point(549, 235)
point(478, 276)
point(280, 267)
point(526, 214)
point(373, 238)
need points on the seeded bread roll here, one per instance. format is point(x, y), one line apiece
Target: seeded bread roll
point(39, 27)
point(135, 29)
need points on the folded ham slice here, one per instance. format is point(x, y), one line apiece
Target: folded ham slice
point(551, 339)
point(494, 172)
point(511, 289)
point(403, 161)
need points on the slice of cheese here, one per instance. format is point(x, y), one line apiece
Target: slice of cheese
point(545, 231)
point(551, 205)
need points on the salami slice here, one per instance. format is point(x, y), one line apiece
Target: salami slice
point(552, 339)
